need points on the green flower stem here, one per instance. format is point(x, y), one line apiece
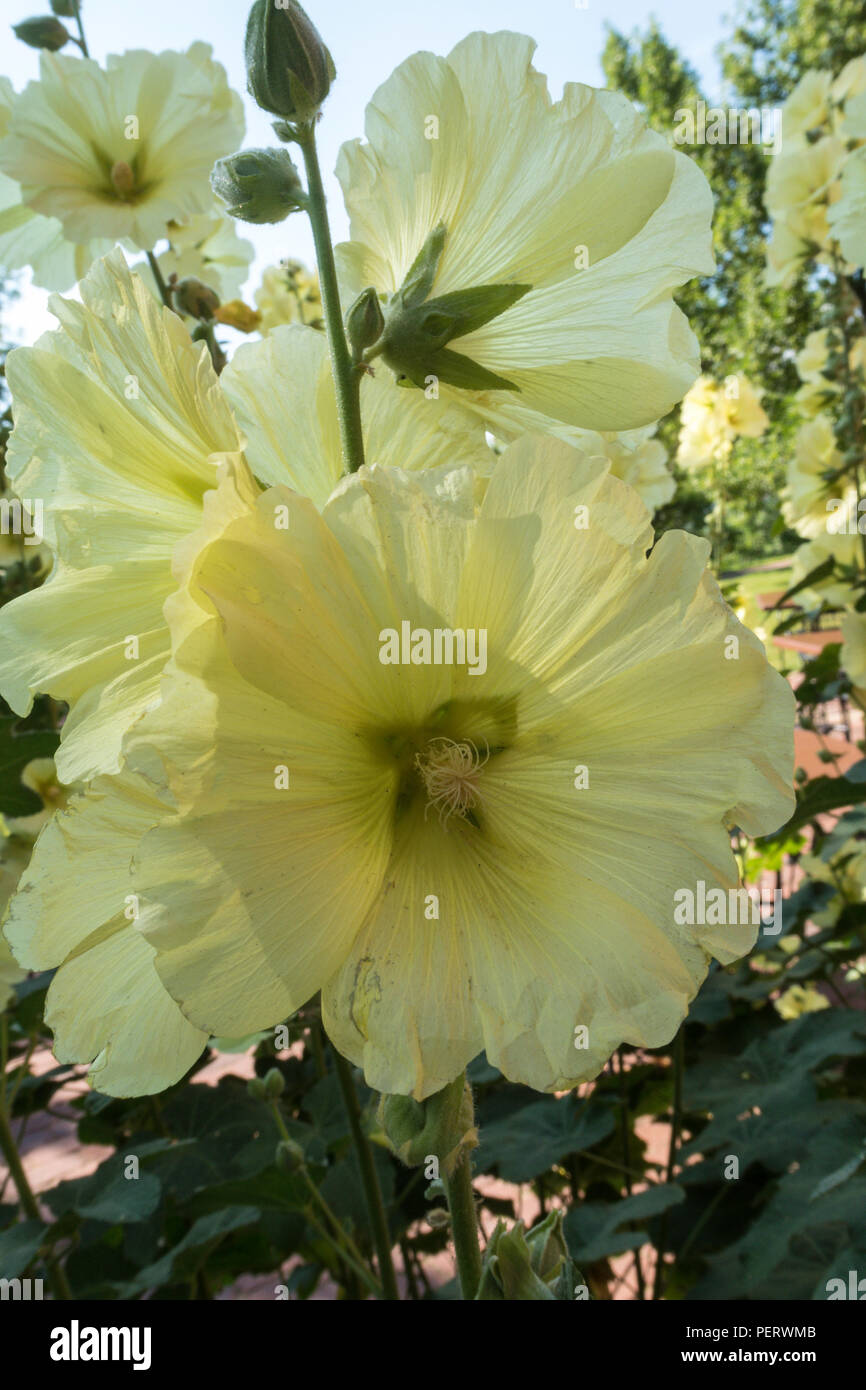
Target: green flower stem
point(372, 1190)
point(347, 375)
point(160, 280)
point(344, 1244)
point(81, 40)
point(464, 1225)
point(56, 1276)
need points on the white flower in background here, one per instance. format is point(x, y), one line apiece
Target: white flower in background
point(591, 215)
point(120, 151)
point(28, 239)
point(807, 108)
point(714, 415)
point(804, 502)
point(208, 248)
point(847, 217)
point(289, 293)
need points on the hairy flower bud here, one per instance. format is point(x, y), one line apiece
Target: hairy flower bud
point(258, 185)
point(44, 31)
point(193, 297)
point(289, 69)
point(364, 322)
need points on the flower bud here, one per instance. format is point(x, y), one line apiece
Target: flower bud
point(274, 1084)
point(364, 322)
point(193, 297)
point(289, 1157)
point(521, 1266)
point(258, 185)
point(42, 32)
point(67, 9)
point(256, 1089)
point(289, 69)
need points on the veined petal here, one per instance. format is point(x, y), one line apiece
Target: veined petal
point(118, 420)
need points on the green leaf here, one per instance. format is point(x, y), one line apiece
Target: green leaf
point(824, 794)
point(17, 749)
point(187, 1257)
point(19, 1246)
point(593, 1231)
point(524, 1144)
point(107, 1195)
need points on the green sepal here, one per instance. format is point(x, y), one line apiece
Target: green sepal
point(467, 310)
point(422, 272)
point(534, 1266)
point(441, 1126)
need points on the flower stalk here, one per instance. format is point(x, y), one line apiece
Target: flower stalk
point(347, 375)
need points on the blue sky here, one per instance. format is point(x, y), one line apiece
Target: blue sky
point(367, 38)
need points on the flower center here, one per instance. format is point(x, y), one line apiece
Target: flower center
point(450, 773)
point(122, 179)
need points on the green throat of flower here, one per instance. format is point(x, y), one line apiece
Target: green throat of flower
point(441, 762)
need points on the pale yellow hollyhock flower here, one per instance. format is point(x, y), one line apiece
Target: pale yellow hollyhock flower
point(634, 455)
point(804, 176)
point(119, 151)
point(845, 871)
point(421, 843)
point(807, 108)
point(289, 293)
point(208, 248)
point(800, 999)
point(853, 125)
point(117, 418)
point(851, 80)
point(17, 837)
point(699, 438)
point(804, 501)
point(28, 239)
point(282, 393)
point(811, 360)
point(739, 405)
point(78, 908)
point(577, 199)
point(10, 973)
point(845, 549)
point(714, 415)
point(787, 250)
point(847, 218)
point(636, 458)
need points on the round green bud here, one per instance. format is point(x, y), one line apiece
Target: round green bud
point(274, 1084)
point(256, 1089)
point(258, 185)
point(67, 9)
point(289, 69)
point(42, 32)
point(289, 1157)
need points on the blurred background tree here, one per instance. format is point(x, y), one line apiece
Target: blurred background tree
point(741, 324)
